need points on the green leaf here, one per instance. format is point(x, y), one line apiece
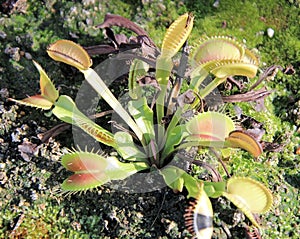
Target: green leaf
point(162, 74)
point(66, 110)
point(211, 86)
point(192, 185)
point(47, 87)
point(127, 149)
point(173, 138)
point(176, 178)
point(222, 57)
point(198, 75)
point(160, 140)
point(48, 92)
point(214, 189)
point(173, 177)
point(143, 117)
point(101, 88)
point(93, 170)
point(138, 69)
point(37, 101)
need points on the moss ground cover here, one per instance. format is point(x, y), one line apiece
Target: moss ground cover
point(30, 172)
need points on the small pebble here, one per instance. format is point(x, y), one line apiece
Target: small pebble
point(28, 56)
point(270, 32)
point(73, 35)
point(216, 3)
point(3, 178)
point(13, 52)
point(3, 35)
point(74, 10)
point(15, 137)
point(162, 7)
point(89, 21)
point(18, 40)
point(88, 2)
point(34, 196)
point(85, 12)
point(2, 165)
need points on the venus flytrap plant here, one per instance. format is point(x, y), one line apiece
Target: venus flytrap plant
point(158, 146)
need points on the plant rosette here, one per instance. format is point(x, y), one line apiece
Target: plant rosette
point(158, 131)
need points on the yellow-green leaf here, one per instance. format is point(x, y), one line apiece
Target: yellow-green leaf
point(211, 126)
point(48, 90)
point(70, 53)
point(66, 110)
point(250, 58)
point(234, 68)
point(240, 204)
point(255, 194)
point(176, 35)
point(249, 196)
point(48, 94)
point(37, 101)
point(138, 69)
point(218, 48)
